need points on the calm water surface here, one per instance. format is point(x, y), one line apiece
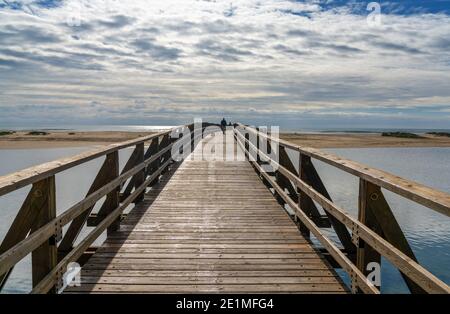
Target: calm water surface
point(71, 187)
point(427, 231)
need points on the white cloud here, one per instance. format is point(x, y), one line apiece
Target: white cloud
point(179, 57)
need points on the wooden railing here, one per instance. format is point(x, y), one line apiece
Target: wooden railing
point(38, 230)
point(364, 240)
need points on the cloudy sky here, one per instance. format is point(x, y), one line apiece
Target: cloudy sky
point(298, 64)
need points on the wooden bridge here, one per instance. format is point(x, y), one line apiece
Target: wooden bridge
point(217, 220)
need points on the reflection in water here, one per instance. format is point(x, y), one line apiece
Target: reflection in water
point(426, 230)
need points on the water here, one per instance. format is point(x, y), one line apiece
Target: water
point(159, 128)
point(71, 187)
point(86, 128)
point(427, 231)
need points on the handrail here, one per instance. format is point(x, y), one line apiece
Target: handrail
point(148, 166)
point(404, 263)
point(19, 179)
point(51, 278)
point(35, 239)
point(15, 251)
point(340, 257)
point(426, 196)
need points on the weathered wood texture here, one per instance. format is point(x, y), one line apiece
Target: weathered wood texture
point(396, 251)
point(419, 193)
point(210, 226)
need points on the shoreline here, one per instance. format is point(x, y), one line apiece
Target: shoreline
point(63, 139)
point(363, 140)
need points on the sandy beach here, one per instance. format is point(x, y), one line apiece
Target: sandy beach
point(363, 140)
point(57, 139)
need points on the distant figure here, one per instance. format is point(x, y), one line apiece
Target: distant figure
point(223, 125)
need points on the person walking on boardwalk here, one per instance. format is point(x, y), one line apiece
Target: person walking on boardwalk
point(223, 125)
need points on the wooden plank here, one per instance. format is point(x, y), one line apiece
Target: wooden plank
point(186, 229)
point(208, 245)
point(405, 264)
point(53, 227)
point(355, 273)
point(48, 281)
point(207, 267)
point(217, 288)
point(9, 258)
point(216, 251)
point(340, 258)
point(201, 274)
point(186, 280)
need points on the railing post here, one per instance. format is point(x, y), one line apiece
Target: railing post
point(23, 222)
point(377, 215)
point(258, 159)
point(247, 145)
point(45, 257)
point(264, 180)
point(166, 156)
point(305, 203)
point(140, 176)
point(152, 150)
point(312, 178)
point(283, 181)
point(112, 200)
point(155, 164)
point(192, 135)
point(105, 175)
point(364, 253)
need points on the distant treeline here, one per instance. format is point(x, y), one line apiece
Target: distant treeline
point(401, 134)
point(439, 134)
point(2, 133)
point(413, 135)
point(37, 133)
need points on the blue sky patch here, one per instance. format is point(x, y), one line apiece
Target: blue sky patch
point(19, 5)
point(401, 7)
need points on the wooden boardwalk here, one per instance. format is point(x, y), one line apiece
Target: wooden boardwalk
point(212, 224)
point(208, 227)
